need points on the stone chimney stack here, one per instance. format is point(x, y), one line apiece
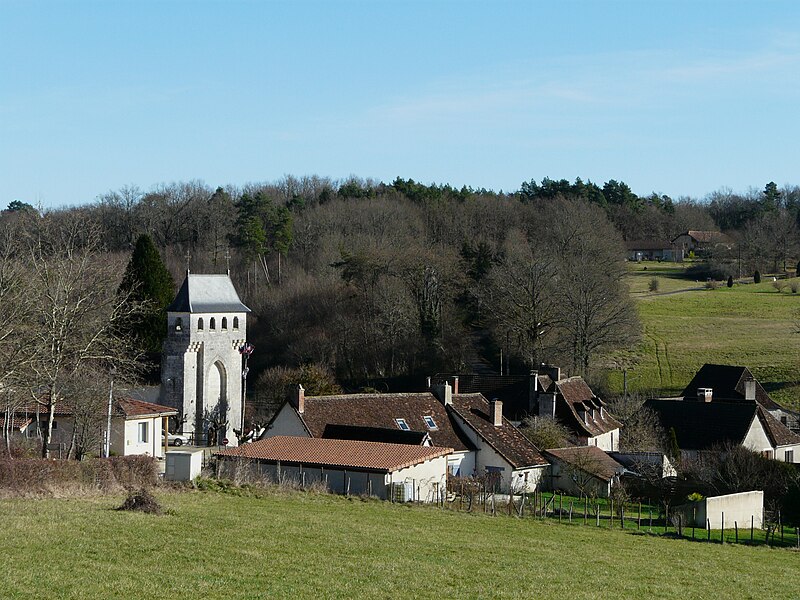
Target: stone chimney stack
point(496, 412)
point(299, 398)
point(705, 394)
point(750, 389)
point(455, 385)
point(551, 371)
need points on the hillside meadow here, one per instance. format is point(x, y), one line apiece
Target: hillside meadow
point(686, 325)
point(297, 545)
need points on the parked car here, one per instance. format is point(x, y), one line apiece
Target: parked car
point(177, 439)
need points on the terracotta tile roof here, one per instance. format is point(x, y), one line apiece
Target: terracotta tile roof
point(125, 407)
point(506, 439)
point(589, 459)
point(574, 398)
point(18, 422)
point(777, 432)
point(379, 411)
point(727, 383)
point(130, 409)
point(351, 454)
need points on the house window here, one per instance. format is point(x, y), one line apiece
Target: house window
point(224, 322)
point(431, 424)
point(200, 324)
point(212, 324)
point(453, 467)
point(783, 419)
point(178, 324)
point(143, 433)
point(767, 453)
point(401, 423)
point(789, 456)
point(236, 322)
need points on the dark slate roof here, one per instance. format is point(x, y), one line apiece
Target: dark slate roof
point(506, 439)
point(207, 294)
point(513, 390)
point(350, 454)
point(727, 383)
point(374, 434)
point(777, 432)
point(573, 396)
point(380, 411)
point(703, 425)
point(589, 459)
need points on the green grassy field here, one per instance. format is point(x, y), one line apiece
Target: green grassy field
point(750, 325)
point(296, 545)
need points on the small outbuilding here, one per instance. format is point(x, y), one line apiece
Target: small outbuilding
point(400, 471)
point(583, 470)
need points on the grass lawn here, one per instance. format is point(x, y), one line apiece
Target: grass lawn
point(292, 545)
point(750, 325)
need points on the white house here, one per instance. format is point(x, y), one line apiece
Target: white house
point(201, 367)
point(583, 470)
point(482, 441)
point(137, 427)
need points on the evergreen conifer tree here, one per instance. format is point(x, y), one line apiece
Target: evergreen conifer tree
point(147, 281)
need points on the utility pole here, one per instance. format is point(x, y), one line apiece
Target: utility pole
point(107, 449)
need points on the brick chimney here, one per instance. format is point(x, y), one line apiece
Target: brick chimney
point(705, 394)
point(750, 389)
point(496, 412)
point(455, 385)
point(299, 398)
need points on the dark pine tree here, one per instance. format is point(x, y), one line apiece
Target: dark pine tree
point(757, 277)
point(730, 280)
point(147, 281)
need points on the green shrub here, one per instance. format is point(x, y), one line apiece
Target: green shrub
point(756, 277)
point(730, 281)
point(653, 285)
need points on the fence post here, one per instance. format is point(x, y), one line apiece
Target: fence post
point(639, 517)
point(736, 530)
point(570, 511)
point(622, 516)
point(797, 535)
point(611, 516)
point(708, 530)
point(560, 506)
point(694, 519)
point(751, 529)
point(722, 533)
point(597, 513)
point(651, 517)
point(780, 525)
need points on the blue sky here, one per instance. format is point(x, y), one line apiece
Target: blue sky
point(681, 98)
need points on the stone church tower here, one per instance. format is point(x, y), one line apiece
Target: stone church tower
point(201, 367)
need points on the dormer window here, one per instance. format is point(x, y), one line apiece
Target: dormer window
point(401, 423)
point(178, 324)
point(429, 422)
point(224, 322)
point(212, 324)
point(200, 324)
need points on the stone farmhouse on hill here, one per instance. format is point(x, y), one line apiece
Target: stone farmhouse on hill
point(638, 250)
point(699, 242)
point(483, 442)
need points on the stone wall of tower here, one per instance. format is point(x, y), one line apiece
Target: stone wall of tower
point(202, 370)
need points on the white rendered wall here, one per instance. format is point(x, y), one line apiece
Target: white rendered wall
point(286, 422)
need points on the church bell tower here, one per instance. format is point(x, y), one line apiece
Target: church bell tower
point(201, 366)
